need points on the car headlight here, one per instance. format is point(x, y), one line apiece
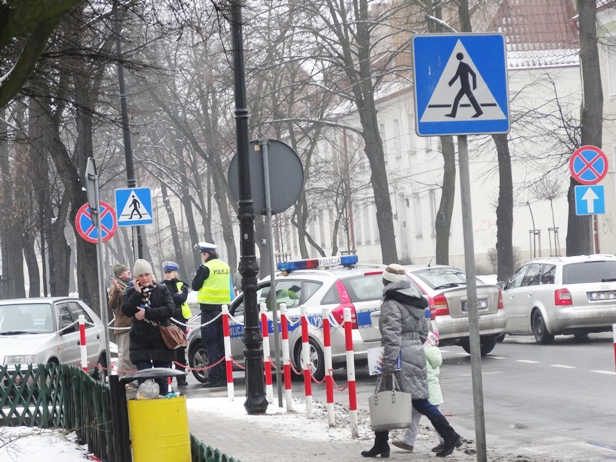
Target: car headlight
point(20, 359)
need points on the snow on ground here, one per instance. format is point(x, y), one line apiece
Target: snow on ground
point(25, 444)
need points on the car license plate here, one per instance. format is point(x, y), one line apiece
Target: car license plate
point(482, 304)
point(607, 295)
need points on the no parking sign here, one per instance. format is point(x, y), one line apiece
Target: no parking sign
point(87, 229)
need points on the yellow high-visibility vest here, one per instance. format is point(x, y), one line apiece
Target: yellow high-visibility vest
point(185, 308)
point(216, 289)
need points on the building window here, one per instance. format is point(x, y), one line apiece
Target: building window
point(432, 196)
point(396, 140)
point(611, 65)
point(417, 216)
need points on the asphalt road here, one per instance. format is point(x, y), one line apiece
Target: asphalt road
point(556, 400)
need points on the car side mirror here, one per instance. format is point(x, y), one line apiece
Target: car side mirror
point(68, 329)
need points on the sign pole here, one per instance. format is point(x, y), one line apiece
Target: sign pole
point(471, 291)
point(92, 185)
point(270, 240)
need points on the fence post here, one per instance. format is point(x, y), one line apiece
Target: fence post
point(228, 357)
point(350, 360)
point(286, 357)
point(329, 379)
point(307, 363)
point(82, 345)
point(267, 357)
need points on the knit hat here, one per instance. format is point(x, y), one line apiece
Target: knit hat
point(142, 267)
point(432, 339)
point(119, 269)
point(394, 273)
point(170, 266)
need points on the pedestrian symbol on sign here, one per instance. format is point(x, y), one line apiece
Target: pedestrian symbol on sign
point(463, 72)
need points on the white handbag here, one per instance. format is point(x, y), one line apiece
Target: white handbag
point(390, 409)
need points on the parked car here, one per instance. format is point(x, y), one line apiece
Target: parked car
point(40, 331)
point(562, 295)
point(335, 283)
point(445, 287)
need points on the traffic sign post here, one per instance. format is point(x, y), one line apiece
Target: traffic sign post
point(134, 206)
point(97, 216)
point(461, 89)
point(460, 84)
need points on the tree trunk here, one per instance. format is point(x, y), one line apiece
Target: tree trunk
point(60, 253)
point(442, 224)
point(504, 210)
point(12, 259)
point(175, 238)
point(579, 233)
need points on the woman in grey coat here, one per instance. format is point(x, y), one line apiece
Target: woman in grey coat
point(404, 330)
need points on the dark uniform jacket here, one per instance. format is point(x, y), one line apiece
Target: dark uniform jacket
point(146, 343)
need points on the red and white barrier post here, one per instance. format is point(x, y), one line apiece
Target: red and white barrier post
point(82, 344)
point(228, 361)
point(306, 363)
point(329, 379)
point(267, 357)
point(286, 357)
point(350, 361)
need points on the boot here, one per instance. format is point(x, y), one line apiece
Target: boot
point(380, 445)
point(452, 439)
point(182, 381)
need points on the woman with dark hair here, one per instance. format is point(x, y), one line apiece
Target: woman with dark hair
point(404, 330)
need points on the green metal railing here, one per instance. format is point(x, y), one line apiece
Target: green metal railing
point(61, 396)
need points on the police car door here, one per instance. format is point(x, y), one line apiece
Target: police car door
point(366, 292)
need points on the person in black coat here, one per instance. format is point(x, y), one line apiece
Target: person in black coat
point(179, 292)
point(148, 304)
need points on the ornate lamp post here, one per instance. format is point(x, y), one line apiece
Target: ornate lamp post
point(256, 402)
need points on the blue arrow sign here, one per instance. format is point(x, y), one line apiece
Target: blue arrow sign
point(589, 200)
point(460, 84)
point(134, 206)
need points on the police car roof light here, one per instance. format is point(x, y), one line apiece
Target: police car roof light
point(288, 266)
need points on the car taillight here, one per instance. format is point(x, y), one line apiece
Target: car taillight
point(432, 308)
point(345, 299)
point(500, 300)
point(562, 297)
point(440, 305)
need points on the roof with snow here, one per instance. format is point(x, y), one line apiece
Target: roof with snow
point(539, 33)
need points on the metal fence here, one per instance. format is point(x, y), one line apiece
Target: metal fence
point(61, 396)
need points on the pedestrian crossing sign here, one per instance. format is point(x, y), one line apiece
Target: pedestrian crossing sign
point(460, 84)
point(134, 206)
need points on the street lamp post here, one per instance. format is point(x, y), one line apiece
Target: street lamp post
point(256, 402)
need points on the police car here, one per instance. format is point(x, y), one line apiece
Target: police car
point(335, 283)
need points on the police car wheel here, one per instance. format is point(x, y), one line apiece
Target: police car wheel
point(197, 358)
point(317, 357)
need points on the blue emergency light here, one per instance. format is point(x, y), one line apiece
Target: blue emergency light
point(313, 263)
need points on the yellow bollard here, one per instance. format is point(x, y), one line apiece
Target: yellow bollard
point(159, 430)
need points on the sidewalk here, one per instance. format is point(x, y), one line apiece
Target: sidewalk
point(278, 435)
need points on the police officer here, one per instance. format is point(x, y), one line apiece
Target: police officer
point(212, 282)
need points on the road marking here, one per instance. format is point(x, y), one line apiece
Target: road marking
point(563, 366)
point(496, 357)
point(463, 354)
point(527, 361)
point(605, 372)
